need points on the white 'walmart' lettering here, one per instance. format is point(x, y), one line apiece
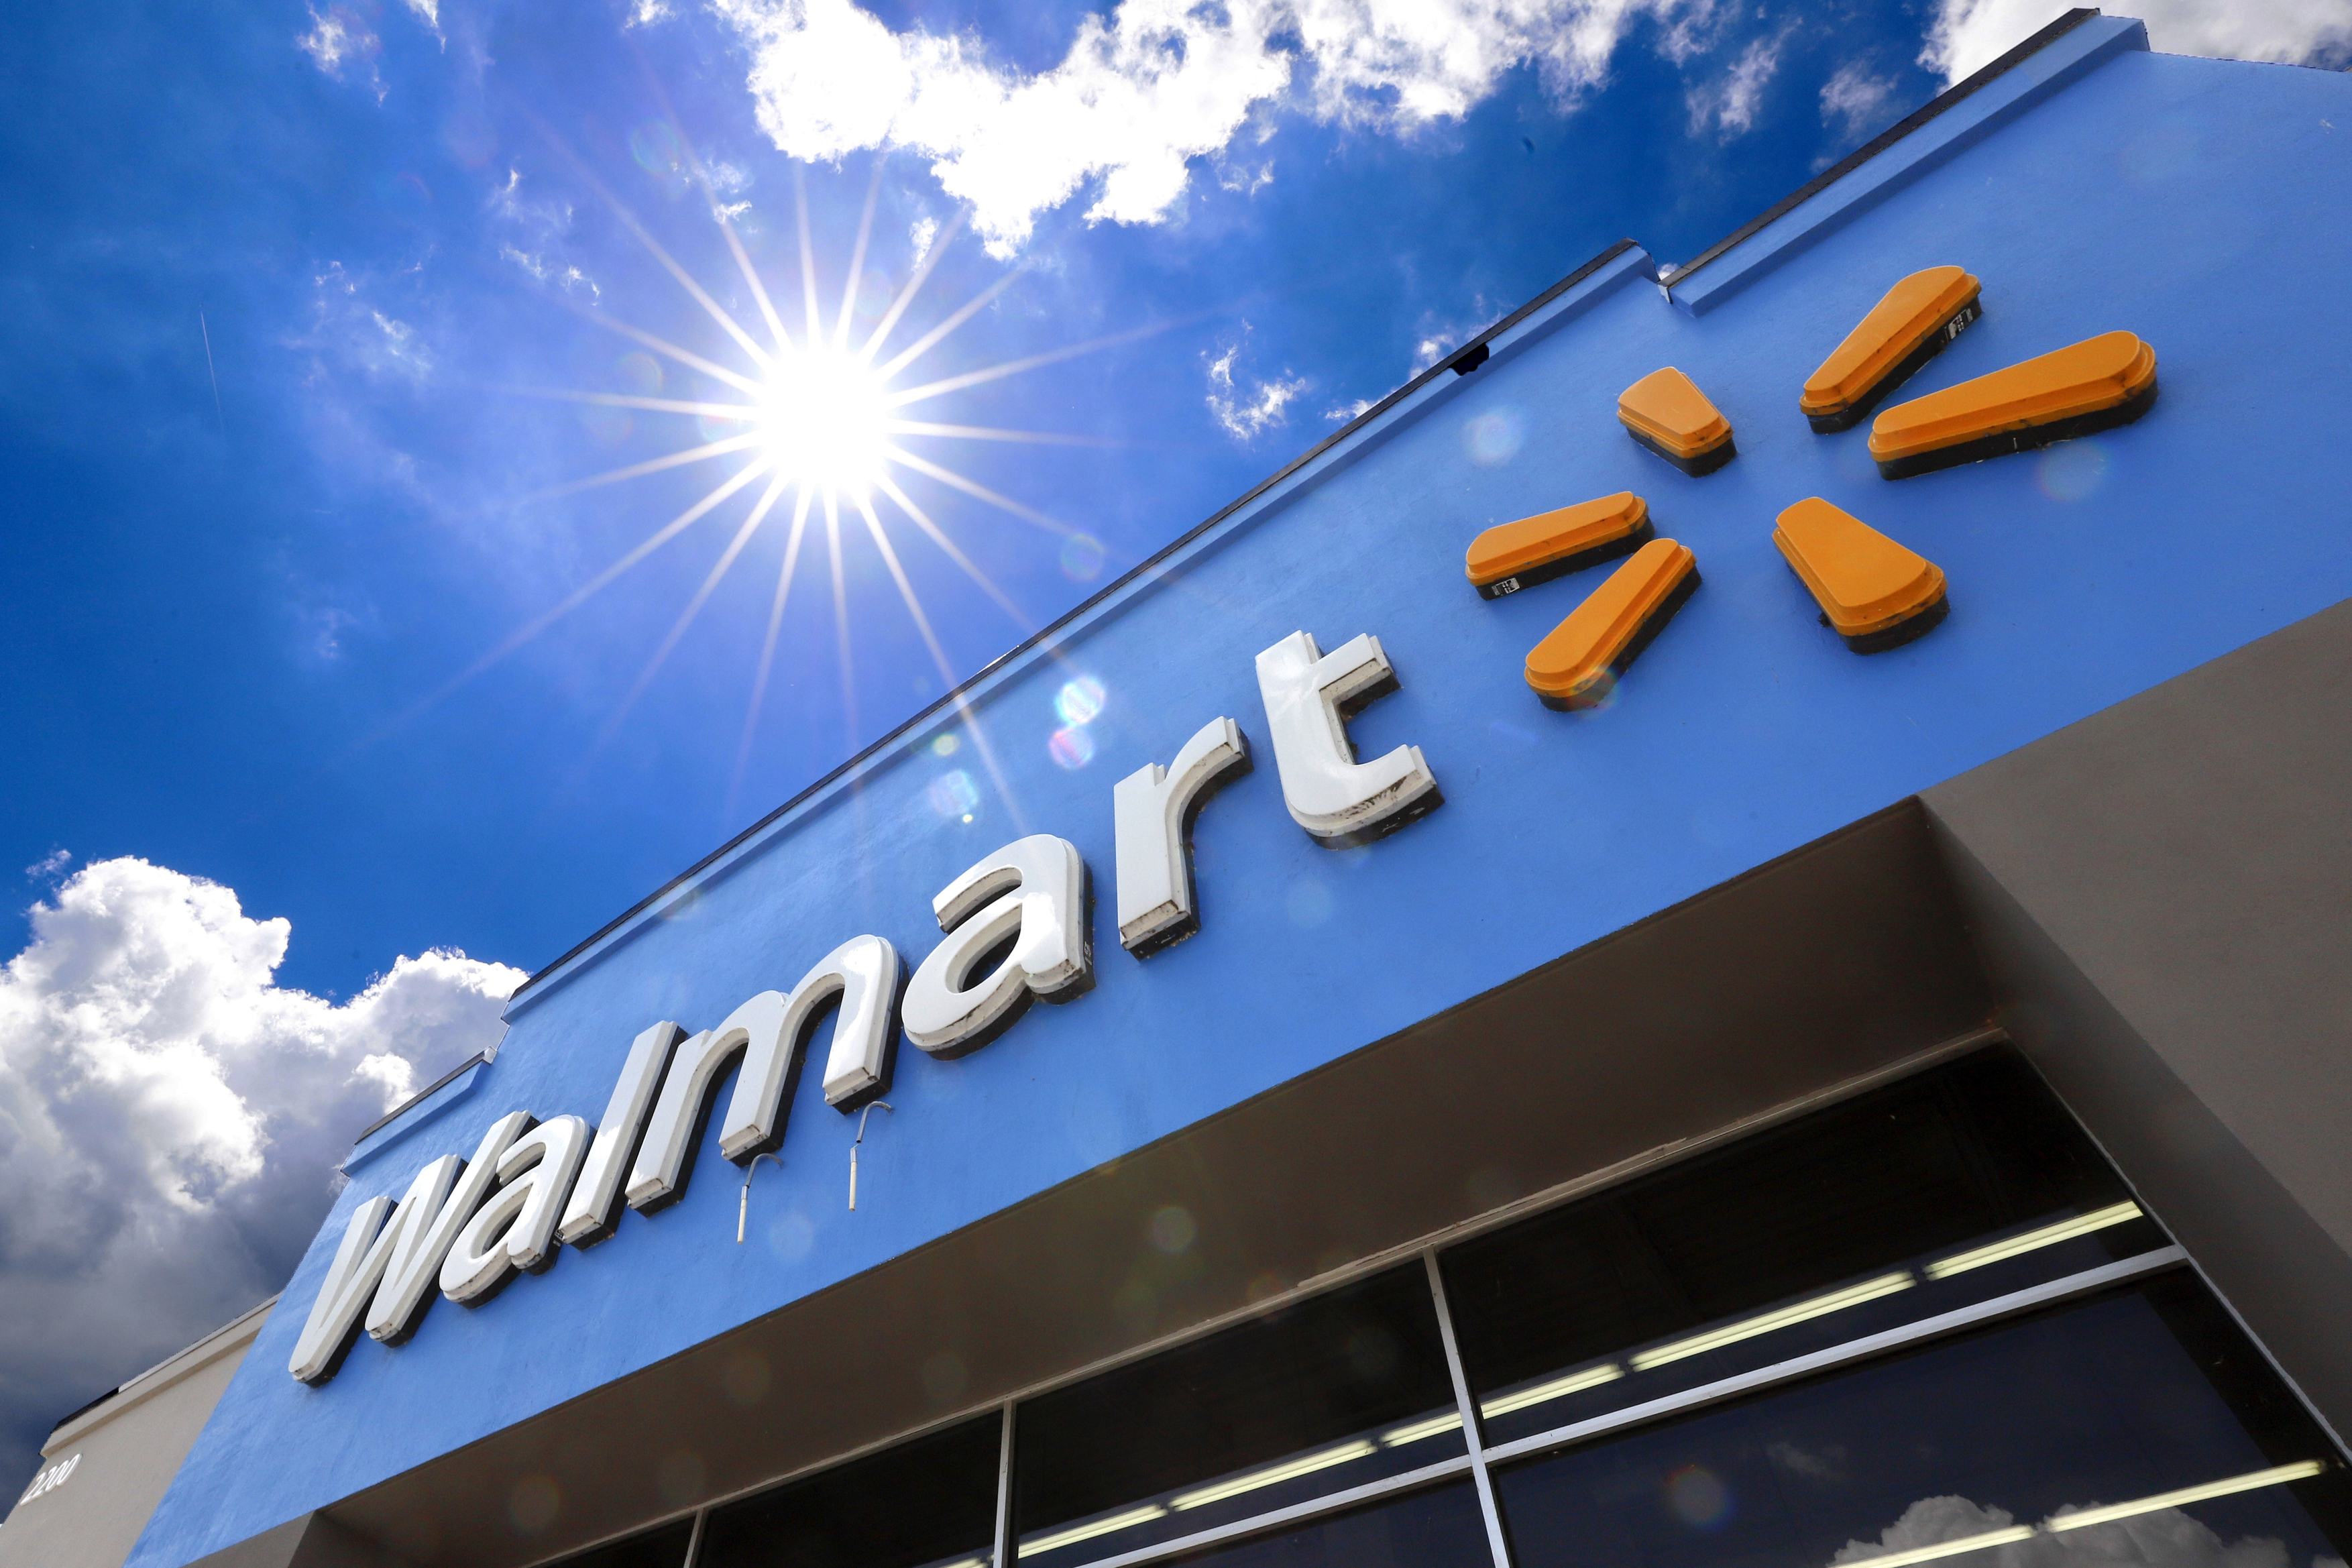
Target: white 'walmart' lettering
point(468, 1226)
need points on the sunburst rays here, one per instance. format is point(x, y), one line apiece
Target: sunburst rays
point(816, 409)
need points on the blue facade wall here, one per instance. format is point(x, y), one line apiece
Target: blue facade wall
point(2200, 204)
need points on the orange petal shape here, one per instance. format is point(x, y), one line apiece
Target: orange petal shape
point(1516, 555)
point(1579, 664)
point(1667, 413)
point(1903, 331)
point(1873, 592)
point(2094, 384)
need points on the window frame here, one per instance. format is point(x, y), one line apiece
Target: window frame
point(1480, 1459)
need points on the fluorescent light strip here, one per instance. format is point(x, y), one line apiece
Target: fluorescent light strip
point(1274, 1473)
point(1398, 1436)
point(1558, 1387)
point(1076, 1533)
point(2048, 1235)
point(1764, 1323)
point(2083, 1518)
point(2015, 1532)
point(1868, 1290)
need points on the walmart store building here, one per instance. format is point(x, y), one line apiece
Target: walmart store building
point(1868, 1082)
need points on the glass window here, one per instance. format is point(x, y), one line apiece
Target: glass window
point(1332, 1393)
point(929, 1501)
point(663, 1548)
point(2137, 1428)
point(1435, 1529)
point(1948, 1190)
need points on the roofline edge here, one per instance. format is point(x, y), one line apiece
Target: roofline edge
point(1921, 141)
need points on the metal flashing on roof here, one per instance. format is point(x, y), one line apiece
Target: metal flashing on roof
point(133, 1391)
point(405, 1117)
point(420, 1097)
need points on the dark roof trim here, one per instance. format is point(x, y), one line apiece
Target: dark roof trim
point(421, 1095)
point(85, 1409)
point(1461, 362)
point(1942, 102)
point(228, 1326)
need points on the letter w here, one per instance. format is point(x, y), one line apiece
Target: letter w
point(381, 1266)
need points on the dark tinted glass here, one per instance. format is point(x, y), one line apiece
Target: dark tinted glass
point(931, 1500)
point(1439, 1529)
point(1951, 1188)
point(1348, 1387)
point(2145, 1404)
point(663, 1548)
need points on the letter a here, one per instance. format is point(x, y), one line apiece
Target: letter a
point(1038, 886)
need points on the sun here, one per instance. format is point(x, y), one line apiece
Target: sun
point(823, 428)
point(823, 419)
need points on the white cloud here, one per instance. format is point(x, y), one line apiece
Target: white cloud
point(545, 224)
point(339, 40)
point(1140, 94)
point(396, 348)
point(1854, 101)
point(345, 326)
point(1343, 412)
point(2164, 1538)
point(1970, 34)
point(1246, 181)
point(552, 217)
point(1408, 62)
point(563, 274)
point(1241, 412)
point(1730, 104)
point(171, 1119)
point(1437, 336)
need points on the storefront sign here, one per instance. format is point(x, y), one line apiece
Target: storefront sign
point(468, 1226)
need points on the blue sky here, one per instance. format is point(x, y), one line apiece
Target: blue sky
point(225, 616)
point(311, 319)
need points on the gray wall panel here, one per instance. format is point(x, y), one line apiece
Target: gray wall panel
point(130, 1447)
point(2163, 896)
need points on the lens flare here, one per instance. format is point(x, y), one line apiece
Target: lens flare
point(2072, 471)
point(641, 372)
point(1071, 747)
point(1082, 558)
point(1079, 701)
point(953, 797)
point(1698, 1496)
point(1495, 437)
